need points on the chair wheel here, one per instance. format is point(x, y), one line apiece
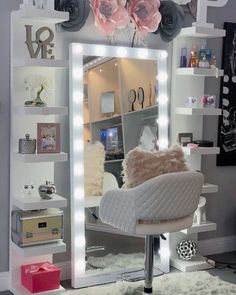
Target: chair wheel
point(147, 290)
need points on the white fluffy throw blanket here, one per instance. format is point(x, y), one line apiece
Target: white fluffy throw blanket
point(94, 157)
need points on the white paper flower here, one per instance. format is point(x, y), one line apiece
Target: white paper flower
point(35, 82)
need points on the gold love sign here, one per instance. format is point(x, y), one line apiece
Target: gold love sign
point(40, 44)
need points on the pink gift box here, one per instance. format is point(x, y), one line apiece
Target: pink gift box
point(39, 277)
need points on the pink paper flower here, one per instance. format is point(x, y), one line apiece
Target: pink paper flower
point(110, 15)
point(145, 14)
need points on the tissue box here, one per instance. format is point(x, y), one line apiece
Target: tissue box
point(39, 277)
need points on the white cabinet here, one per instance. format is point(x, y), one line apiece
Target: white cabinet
point(191, 82)
point(32, 168)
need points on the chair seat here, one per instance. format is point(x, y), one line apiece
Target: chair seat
point(144, 227)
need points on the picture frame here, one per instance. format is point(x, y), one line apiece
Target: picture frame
point(48, 138)
point(185, 138)
point(107, 101)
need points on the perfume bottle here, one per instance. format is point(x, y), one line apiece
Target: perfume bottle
point(213, 62)
point(183, 59)
point(204, 63)
point(202, 53)
point(209, 55)
point(193, 60)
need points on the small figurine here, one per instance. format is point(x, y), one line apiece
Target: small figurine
point(28, 189)
point(200, 213)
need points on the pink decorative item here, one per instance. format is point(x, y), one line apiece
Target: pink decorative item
point(192, 145)
point(208, 101)
point(48, 138)
point(145, 15)
point(110, 15)
point(191, 102)
point(40, 277)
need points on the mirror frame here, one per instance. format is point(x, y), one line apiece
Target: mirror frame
point(76, 53)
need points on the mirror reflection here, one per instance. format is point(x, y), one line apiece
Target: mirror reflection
point(120, 113)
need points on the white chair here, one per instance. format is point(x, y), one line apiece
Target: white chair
point(162, 204)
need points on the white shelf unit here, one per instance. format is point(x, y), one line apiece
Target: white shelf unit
point(209, 188)
point(40, 63)
point(33, 168)
point(45, 111)
point(44, 16)
point(36, 203)
point(196, 264)
point(191, 82)
point(198, 111)
point(18, 289)
point(199, 72)
point(36, 158)
point(38, 250)
point(201, 151)
point(200, 228)
point(202, 32)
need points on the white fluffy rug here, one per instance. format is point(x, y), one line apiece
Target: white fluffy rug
point(110, 262)
point(196, 283)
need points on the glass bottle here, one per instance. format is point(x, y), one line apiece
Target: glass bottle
point(193, 60)
point(183, 59)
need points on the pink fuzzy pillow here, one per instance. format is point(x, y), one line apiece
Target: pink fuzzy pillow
point(140, 165)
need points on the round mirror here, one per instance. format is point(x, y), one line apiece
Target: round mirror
point(141, 96)
point(132, 97)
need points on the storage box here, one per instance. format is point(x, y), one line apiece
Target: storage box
point(40, 277)
point(36, 227)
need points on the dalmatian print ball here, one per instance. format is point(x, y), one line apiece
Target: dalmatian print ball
point(186, 249)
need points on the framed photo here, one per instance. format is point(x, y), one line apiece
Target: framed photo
point(48, 138)
point(185, 138)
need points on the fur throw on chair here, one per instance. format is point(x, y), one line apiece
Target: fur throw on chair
point(94, 158)
point(140, 165)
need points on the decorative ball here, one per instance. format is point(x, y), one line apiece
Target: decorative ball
point(186, 249)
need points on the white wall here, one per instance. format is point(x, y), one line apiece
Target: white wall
point(221, 206)
point(5, 8)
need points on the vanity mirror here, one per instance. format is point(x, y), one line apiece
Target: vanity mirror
point(113, 70)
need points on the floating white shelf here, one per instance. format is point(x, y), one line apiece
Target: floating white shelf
point(38, 250)
point(199, 72)
point(196, 264)
point(92, 201)
point(199, 111)
point(22, 110)
point(41, 15)
point(201, 151)
point(202, 32)
point(21, 290)
point(203, 227)
point(34, 158)
point(36, 203)
point(42, 63)
point(209, 188)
